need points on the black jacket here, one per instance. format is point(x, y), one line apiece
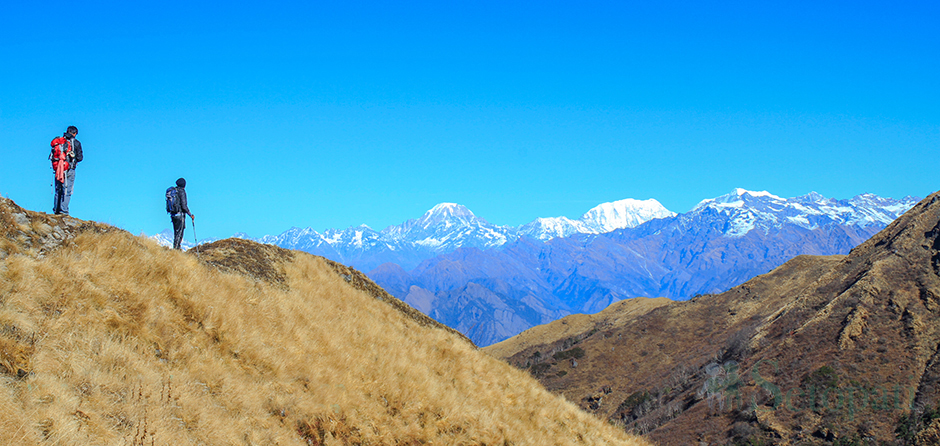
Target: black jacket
point(181, 192)
point(77, 150)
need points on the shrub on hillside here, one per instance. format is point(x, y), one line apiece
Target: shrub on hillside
point(576, 353)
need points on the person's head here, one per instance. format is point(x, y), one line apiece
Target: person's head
point(72, 130)
point(181, 183)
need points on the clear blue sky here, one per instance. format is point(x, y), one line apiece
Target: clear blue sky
point(333, 114)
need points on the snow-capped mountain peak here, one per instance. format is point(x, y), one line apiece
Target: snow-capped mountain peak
point(446, 227)
point(551, 227)
point(603, 218)
point(628, 213)
point(450, 209)
point(741, 211)
point(738, 198)
point(813, 197)
point(742, 192)
point(446, 213)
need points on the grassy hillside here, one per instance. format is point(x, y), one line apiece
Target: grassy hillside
point(107, 338)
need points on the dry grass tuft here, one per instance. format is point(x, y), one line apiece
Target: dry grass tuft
point(111, 339)
point(261, 262)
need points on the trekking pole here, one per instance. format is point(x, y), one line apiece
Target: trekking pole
point(196, 241)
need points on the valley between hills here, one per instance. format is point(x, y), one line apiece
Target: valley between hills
point(822, 350)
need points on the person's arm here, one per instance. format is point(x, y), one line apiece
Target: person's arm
point(184, 205)
point(78, 151)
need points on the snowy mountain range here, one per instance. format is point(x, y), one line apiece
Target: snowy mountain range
point(492, 282)
point(748, 210)
point(443, 229)
point(493, 294)
point(450, 226)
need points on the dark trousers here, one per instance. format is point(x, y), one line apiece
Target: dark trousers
point(63, 193)
point(179, 224)
point(59, 196)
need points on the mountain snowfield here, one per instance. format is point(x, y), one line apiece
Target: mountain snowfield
point(606, 217)
point(747, 210)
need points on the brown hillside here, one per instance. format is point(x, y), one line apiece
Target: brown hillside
point(107, 338)
point(576, 326)
point(822, 350)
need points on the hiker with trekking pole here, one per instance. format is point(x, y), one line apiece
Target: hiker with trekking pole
point(178, 209)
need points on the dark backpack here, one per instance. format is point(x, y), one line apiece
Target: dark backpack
point(173, 204)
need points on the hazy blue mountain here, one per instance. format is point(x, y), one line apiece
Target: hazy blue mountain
point(493, 294)
point(448, 227)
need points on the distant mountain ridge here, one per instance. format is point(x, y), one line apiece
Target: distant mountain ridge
point(447, 227)
point(722, 242)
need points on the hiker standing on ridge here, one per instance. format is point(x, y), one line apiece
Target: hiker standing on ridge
point(65, 156)
point(178, 209)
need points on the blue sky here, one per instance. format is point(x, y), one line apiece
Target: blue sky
point(334, 114)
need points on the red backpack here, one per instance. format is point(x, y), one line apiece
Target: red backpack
point(59, 156)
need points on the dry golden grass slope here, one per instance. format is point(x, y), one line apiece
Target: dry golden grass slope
point(107, 338)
